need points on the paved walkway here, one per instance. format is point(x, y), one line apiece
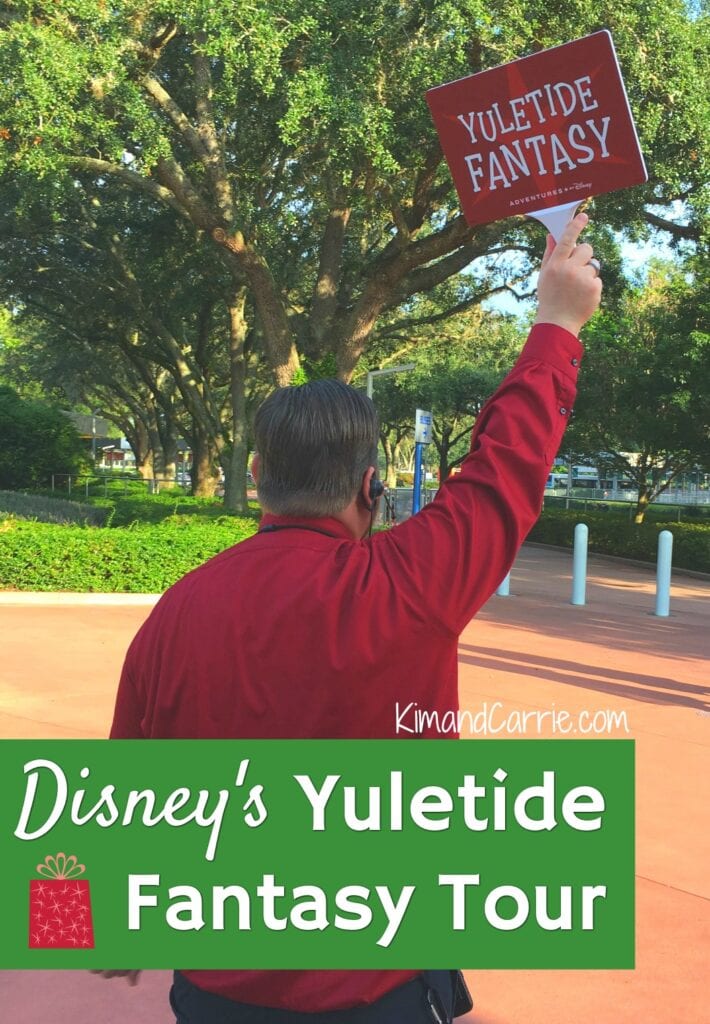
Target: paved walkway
point(530, 651)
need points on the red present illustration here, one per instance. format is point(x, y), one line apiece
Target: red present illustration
point(60, 906)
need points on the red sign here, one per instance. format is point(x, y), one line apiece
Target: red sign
point(546, 130)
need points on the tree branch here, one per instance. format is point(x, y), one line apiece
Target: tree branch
point(171, 174)
point(421, 197)
point(325, 294)
point(411, 323)
point(677, 230)
point(216, 167)
point(104, 168)
point(164, 102)
point(423, 279)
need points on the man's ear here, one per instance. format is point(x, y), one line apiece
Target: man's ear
point(364, 492)
point(255, 466)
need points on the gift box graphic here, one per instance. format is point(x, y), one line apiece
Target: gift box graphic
point(60, 906)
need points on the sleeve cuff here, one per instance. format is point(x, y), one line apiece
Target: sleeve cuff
point(548, 343)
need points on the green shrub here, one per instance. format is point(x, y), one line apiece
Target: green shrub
point(137, 559)
point(156, 508)
point(53, 510)
point(657, 512)
point(611, 535)
point(138, 506)
point(37, 440)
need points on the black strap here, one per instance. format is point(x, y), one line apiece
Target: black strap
point(273, 527)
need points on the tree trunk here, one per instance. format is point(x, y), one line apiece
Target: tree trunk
point(170, 454)
point(139, 440)
point(279, 344)
point(164, 441)
point(390, 471)
point(204, 475)
point(443, 448)
point(158, 459)
point(642, 503)
point(235, 465)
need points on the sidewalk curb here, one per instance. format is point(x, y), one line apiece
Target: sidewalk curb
point(677, 570)
point(69, 599)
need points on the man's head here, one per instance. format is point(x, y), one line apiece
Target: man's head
point(315, 443)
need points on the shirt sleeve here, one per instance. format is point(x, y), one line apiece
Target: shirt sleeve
point(449, 558)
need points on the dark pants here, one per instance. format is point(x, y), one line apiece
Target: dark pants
point(424, 1000)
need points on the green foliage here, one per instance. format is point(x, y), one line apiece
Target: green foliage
point(340, 86)
point(36, 440)
point(657, 513)
point(610, 535)
point(643, 408)
point(156, 508)
point(141, 559)
point(306, 109)
point(129, 502)
point(457, 367)
point(53, 510)
point(156, 159)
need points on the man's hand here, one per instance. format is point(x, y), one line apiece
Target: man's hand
point(131, 976)
point(569, 287)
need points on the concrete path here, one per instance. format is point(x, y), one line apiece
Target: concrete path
point(531, 651)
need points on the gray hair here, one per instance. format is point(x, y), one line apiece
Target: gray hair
point(314, 442)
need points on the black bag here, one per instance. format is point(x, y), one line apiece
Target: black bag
point(463, 1003)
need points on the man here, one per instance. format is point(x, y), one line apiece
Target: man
point(314, 629)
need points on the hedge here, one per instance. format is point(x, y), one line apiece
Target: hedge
point(156, 508)
point(660, 512)
point(147, 558)
point(54, 510)
point(611, 535)
point(139, 506)
point(139, 559)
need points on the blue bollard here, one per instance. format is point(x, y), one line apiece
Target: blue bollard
point(504, 589)
point(663, 573)
point(579, 564)
point(417, 484)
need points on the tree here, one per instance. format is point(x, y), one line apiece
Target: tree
point(643, 408)
point(293, 141)
point(142, 325)
point(36, 440)
point(457, 368)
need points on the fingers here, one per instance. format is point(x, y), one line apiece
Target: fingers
point(568, 239)
point(582, 254)
point(569, 287)
point(549, 249)
point(131, 976)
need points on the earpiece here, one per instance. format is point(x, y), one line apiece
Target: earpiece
point(377, 489)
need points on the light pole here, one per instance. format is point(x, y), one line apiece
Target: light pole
point(371, 374)
point(93, 435)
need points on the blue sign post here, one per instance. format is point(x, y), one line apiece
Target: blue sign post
point(417, 492)
point(422, 436)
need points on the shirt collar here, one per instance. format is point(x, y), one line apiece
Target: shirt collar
point(324, 524)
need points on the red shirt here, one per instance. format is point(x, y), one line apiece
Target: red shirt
point(298, 633)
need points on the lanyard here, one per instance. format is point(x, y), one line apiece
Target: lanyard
point(273, 527)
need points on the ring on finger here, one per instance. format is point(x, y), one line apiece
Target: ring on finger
point(595, 263)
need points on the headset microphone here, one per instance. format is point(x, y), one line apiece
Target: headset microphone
point(377, 489)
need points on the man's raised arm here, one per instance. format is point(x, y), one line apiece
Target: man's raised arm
point(454, 554)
